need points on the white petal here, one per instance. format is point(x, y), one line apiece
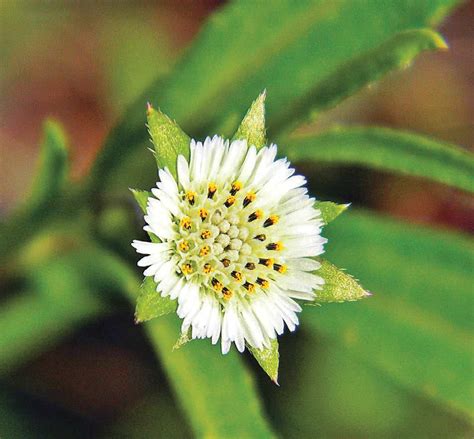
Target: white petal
point(183, 172)
point(233, 160)
point(148, 248)
point(264, 318)
point(219, 151)
point(225, 345)
point(303, 264)
point(167, 182)
point(174, 293)
point(196, 163)
point(253, 320)
point(301, 295)
point(248, 165)
point(251, 327)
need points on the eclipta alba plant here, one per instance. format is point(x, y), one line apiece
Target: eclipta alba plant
point(234, 238)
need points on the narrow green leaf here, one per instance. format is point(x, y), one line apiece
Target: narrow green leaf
point(150, 303)
point(252, 127)
point(47, 188)
point(386, 149)
point(329, 210)
point(168, 139)
point(141, 197)
point(59, 301)
point(268, 359)
point(53, 167)
point(338, 286)
point(216, 391)
point(418, 326)
point(396, 53)
point(287, 49)
point(32, 323)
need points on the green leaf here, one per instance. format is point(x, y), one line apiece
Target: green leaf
point(346, 394)
point(141, 197)
point(69, 282)
point(287, 49)
point(396, 53)
point(338, 286)
point(131, 59)
point(216, 391)
point(252, 127)
point(53, 167)
point(46, 191)
point(417, 328)
point(268, 359)
point(329, 210)
point(31, 323)
point(60, 300)
point(150, 303)
point(168, 139)
point(386, 149)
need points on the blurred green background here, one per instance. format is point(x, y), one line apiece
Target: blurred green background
point(96, 375)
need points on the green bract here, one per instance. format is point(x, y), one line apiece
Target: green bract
point(169, 141)
point(412, 338)
point(150, 304)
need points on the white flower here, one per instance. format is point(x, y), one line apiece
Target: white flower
point(237, 233)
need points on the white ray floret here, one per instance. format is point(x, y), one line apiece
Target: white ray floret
point(237, 232)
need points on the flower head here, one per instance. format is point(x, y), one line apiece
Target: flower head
point(237, 232)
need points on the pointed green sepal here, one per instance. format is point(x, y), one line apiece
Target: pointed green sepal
point(329, 210)
point(184, 338)
point(338, 285)
point(252, 127)
point(268, 359)
point(168, 139)
point(141, 197)
point(150, 304)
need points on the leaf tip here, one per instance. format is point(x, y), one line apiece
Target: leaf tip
point(53, 129)
point(438, 40)
point(329, 211)
point(149, 108)
point(442, 44)
point(252, 127)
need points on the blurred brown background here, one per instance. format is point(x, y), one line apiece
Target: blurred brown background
point(83, 62)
